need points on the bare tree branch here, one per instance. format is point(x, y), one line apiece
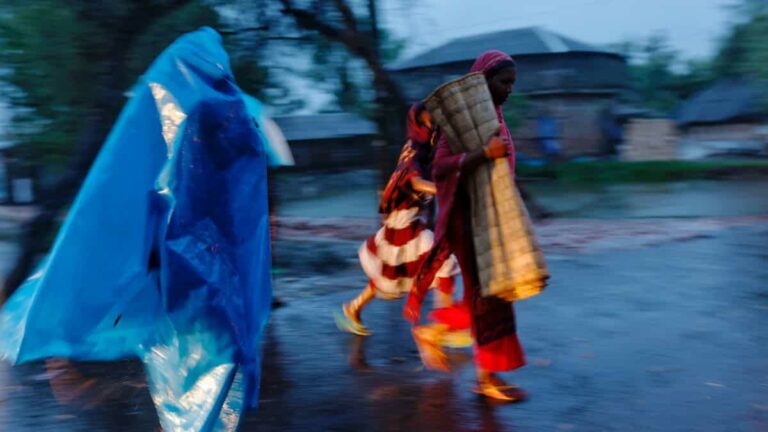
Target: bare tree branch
point(357, 43)
point(389, 98)
point(347, 15)
point(289, 38)
point(243, 30)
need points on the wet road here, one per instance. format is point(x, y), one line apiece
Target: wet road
point(75, 398)
point(672, 336)
point(696, 198)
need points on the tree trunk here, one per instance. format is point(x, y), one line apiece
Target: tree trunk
point(392, 106)
point(36, 234)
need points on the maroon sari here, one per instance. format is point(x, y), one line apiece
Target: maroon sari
point(492, 319)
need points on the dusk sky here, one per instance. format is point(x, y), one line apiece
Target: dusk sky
point(693, 26)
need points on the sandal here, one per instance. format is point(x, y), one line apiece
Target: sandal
point(346, 322)
point(457, 339)
point(500, 391)
point(430, 352)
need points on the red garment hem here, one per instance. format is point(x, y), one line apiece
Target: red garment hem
point(446, 284)
point(503, 354)
point(500, 355)
point(456, 317)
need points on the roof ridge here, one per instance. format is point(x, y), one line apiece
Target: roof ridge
point(551, 40)
point(531, 40)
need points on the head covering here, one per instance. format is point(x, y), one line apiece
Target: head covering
point(485, 63)
point(422, 134)
point(414, 160)
point(418, 131)
point(490, 59)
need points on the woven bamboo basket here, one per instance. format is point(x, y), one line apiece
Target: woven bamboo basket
point(509, 261)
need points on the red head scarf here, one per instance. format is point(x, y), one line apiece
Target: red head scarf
point(490, 59)
point(419, 125)
point(421, 134)
point(485, 63)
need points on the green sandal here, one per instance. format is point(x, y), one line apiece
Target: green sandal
point(346, 324)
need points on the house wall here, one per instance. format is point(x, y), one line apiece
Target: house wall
point(650, 139)
point(721, 139)
point(578, 117)
point(337, 153)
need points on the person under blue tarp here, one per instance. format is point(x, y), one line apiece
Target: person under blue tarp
point(165, 253)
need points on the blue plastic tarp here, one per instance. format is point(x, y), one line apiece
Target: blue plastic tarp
point(165, 253)
point(278, 151)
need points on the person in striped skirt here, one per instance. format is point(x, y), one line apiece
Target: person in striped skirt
point(392, 257)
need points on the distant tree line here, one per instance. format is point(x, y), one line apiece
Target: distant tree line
point(661, 79)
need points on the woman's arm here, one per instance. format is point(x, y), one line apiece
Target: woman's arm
point(447, 163)
point(423, 186)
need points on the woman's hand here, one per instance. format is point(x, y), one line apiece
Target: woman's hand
point(496, 148)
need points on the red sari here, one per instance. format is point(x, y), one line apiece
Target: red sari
point(492, 320)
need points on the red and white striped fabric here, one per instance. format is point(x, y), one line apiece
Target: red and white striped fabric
point(392, 257)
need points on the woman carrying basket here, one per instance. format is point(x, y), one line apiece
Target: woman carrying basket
point(492, 319)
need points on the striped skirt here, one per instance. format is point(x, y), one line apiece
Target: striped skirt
point(392, 257)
